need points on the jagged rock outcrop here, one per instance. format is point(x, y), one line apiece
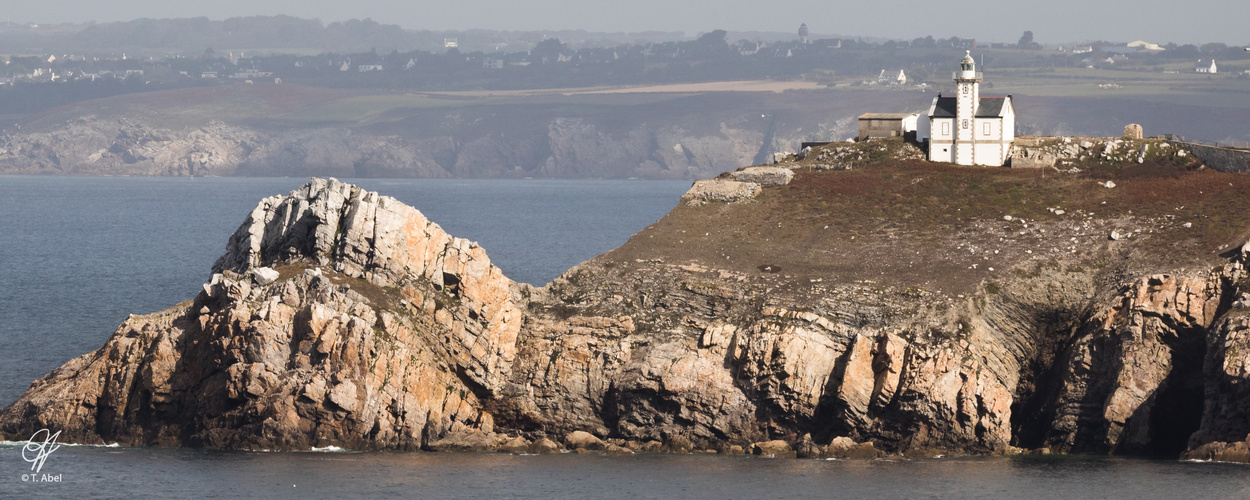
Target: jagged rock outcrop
point(381, 331)
point(390, 345)
point(719, 189)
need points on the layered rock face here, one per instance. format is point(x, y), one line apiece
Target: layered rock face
point(380, 331)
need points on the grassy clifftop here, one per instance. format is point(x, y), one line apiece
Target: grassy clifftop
point(911, 223)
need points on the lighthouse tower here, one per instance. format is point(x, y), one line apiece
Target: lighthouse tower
point(969, 129)
point(967, 97)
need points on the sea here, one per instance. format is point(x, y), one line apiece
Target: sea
point(78, 254)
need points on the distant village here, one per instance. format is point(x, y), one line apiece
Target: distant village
point(802, 54)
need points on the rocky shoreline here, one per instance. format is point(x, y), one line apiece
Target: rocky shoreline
point(341, 317)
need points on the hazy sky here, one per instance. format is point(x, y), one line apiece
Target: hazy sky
point(1054, 21)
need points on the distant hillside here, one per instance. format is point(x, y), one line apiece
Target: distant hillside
point(291, 130)
point(192, 36)
point(294, 130)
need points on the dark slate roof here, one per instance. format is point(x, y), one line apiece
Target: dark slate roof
point(990, 107)
point(944, 108)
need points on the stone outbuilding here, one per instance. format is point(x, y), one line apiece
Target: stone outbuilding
point(1132, 131)
point(881, 125)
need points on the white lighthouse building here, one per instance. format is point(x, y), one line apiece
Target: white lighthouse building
point(969, 129)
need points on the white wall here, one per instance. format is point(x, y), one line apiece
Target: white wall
point(943, 129)
point(941, 137)
point(994, 126)
point(1009, 123)
point(910, 123)
point(963, 153)
point(990, 154)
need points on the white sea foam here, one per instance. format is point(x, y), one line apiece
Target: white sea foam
point(329, 449)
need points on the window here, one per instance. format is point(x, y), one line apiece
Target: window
point(986, 128)
point(946, 128)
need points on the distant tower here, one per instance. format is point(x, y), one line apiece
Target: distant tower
point(803, 34)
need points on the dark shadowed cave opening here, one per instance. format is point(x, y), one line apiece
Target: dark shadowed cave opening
point(451, 284)
point(1042, 377)
point(1174, 411)
point(1177, 411)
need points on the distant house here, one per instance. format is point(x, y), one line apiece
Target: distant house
point(891, 79)
point(492, 63)
point(1204, 68)
point(751, 48)
point(969, 129)
point(881, 125)
point(1082, 50)
point(208, 74)
point(451, 43)
point(365, 68)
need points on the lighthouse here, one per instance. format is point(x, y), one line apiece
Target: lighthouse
point(969, 129)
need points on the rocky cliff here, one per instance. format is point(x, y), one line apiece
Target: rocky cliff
point(296, 131)
point(846, 307)
point(569, 148)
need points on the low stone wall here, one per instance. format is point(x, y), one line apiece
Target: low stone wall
point(1222, 159)
point(764, 176)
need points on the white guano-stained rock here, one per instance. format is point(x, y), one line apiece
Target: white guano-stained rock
point(264, 275)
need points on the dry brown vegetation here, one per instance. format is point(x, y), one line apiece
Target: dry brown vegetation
point(912, 223)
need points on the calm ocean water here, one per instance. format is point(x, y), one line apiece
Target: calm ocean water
point(79, 254)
